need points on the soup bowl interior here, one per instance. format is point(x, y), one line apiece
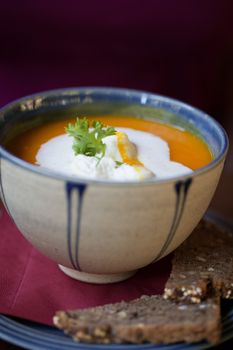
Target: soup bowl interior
point(103, 231)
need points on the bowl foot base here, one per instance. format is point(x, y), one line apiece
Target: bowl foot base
point(96, 278)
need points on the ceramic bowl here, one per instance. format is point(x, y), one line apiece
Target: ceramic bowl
point(102, 232)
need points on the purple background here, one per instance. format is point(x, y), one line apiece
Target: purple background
point(183, 49)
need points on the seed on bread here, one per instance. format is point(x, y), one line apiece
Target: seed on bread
point(148, 319)
point(206, 259)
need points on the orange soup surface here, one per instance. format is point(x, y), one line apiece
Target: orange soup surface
point(185, 147)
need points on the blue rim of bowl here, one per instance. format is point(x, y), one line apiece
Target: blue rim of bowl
point(130, 92)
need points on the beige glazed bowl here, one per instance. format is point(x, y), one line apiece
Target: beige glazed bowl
point(102, 232)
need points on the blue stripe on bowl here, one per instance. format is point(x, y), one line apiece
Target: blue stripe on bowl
point(181, 189)
point(70, 188)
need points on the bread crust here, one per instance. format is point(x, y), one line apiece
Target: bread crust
point(201, 265)
point(147, 319)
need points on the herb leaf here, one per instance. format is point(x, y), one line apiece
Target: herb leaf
point(89, 141)
point(118, 163)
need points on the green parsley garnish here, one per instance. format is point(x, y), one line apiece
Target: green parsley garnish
point(118, 163)
point(89, 141)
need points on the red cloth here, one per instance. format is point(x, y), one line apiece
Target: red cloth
point(32, 286)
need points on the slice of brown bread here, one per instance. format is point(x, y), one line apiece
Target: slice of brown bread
point(148, 319)
point(202, 263)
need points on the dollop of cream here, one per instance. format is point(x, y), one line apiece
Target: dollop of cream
point(131, 155)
